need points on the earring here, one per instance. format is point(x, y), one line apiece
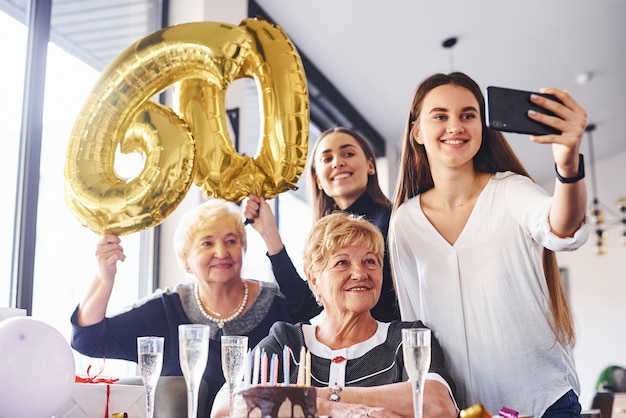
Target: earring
point(318, 300)
point(371, 173)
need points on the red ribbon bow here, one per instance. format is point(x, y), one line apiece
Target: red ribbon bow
point(96, 379)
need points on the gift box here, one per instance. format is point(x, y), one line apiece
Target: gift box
point(93, 400)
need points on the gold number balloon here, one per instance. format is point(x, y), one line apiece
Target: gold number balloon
point(193, 144)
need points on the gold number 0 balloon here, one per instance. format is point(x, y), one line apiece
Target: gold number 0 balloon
point(195, 145)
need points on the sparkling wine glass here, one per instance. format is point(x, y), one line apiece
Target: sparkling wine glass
point(193, 346)
point(416, 351)
point(234, 351)
point(150, 359)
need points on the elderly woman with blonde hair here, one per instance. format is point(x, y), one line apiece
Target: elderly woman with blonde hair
point(209, 242)
point(356, 361)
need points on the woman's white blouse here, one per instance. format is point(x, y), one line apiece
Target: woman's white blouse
point(486, 298)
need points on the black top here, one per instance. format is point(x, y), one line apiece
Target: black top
point(376, 361)
point(299, 297)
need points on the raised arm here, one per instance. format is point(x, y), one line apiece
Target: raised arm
point(93, 307)
point(570, 195)
point(299, 297)
point(257, 210)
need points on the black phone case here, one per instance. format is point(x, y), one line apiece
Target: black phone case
point(507, 110)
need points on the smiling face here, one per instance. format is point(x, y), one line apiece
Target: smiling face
point(350, 281)
point(342, 258)
point(216, 252)
point(342, 168)
point(449, 126)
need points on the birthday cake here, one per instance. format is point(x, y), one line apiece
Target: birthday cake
point(274, 401)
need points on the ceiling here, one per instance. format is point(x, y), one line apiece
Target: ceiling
point(375, 53)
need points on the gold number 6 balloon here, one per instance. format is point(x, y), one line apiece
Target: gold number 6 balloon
point(192, 145)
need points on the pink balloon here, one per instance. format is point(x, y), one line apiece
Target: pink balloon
point(36, 369)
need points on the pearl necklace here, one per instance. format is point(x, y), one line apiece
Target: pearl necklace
point(221, 321)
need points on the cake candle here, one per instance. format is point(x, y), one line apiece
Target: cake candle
point(286, 365)
point(274, 370)
point(264, 368)
point(247, 368)
point(308, 369)
point(256, 365)
point(301, 366)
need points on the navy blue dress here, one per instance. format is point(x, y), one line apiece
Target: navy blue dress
point(161, 313)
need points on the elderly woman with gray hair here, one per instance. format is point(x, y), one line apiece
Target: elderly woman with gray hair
point(356, 361)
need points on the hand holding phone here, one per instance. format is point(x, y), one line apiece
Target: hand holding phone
point(507, 110)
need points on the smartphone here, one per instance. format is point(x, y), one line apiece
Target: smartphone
point(507, 110)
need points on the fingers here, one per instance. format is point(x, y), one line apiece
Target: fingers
point(569, 113)
point(258, 210)
point(109, 244)
point(570, 118)
point(563, 96)
point(252, 207)
point(109, 249)
point(110, 239)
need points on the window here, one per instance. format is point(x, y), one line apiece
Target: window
point(64, 264)
point(64, 259)
point(11, 93)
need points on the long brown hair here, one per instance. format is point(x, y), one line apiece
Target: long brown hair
point(494, 155)
point(322, 203)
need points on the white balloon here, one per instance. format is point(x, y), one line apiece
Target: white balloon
point(36, 369)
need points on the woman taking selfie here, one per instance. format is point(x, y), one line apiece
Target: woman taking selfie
point(472, 240)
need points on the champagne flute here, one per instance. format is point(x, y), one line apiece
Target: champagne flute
point(150, 360)
point(416, 351)
point(193, 347)
point(234, 351)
